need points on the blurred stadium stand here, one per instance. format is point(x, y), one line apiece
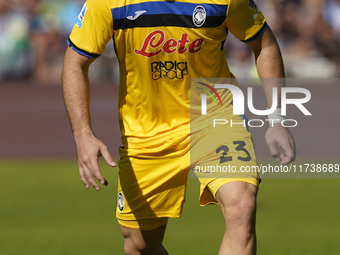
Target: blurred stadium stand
point(308, 33)
point(33, 37)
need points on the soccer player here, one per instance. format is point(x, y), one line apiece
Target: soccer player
point(161, 46)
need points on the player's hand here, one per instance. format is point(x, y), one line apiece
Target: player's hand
point(89, 148)
point(280, 137)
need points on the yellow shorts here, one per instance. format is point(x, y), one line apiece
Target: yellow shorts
point(221, 154)
point(153, 179)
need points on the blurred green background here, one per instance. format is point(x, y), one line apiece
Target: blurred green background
point(45, 209)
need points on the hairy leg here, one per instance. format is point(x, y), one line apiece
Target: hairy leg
point(238, 204)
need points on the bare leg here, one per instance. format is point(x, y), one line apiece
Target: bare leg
point(238, 204)
point(144, 242)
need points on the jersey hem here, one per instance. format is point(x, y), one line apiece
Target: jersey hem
point(80, 51)
point(258, 34)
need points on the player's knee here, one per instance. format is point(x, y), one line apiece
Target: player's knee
point(240, 206)
point(237, 201)
point(241, 212)
point(245, 207)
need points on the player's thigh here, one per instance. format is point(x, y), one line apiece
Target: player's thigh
point(147, 241)
point(233, 192)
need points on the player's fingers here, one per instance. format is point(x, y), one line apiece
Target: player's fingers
point(293, 146)
point(96, 172)
point(274, 151)
point(290, 155)
point(89, 173)
point(90, 178)
point(105, 183)
point(107, 156)
point(83, 177)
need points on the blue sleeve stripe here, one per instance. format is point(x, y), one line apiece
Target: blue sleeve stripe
point(258, 34)
point(80, 51)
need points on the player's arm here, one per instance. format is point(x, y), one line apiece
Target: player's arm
point(76, 91)
point(270, 65)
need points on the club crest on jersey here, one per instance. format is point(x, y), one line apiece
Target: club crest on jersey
point(121, 202)
point(252, 5)
point(199, 16)
point(81, 16)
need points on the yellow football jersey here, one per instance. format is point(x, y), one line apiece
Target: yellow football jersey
point(160, 46)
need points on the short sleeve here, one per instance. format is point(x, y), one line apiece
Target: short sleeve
point(93, 29)
point(244, 20)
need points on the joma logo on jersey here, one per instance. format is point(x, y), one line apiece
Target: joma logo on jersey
point(155, 43)
point(169, 70)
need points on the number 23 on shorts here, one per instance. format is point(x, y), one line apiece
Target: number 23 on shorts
point(239, 146)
